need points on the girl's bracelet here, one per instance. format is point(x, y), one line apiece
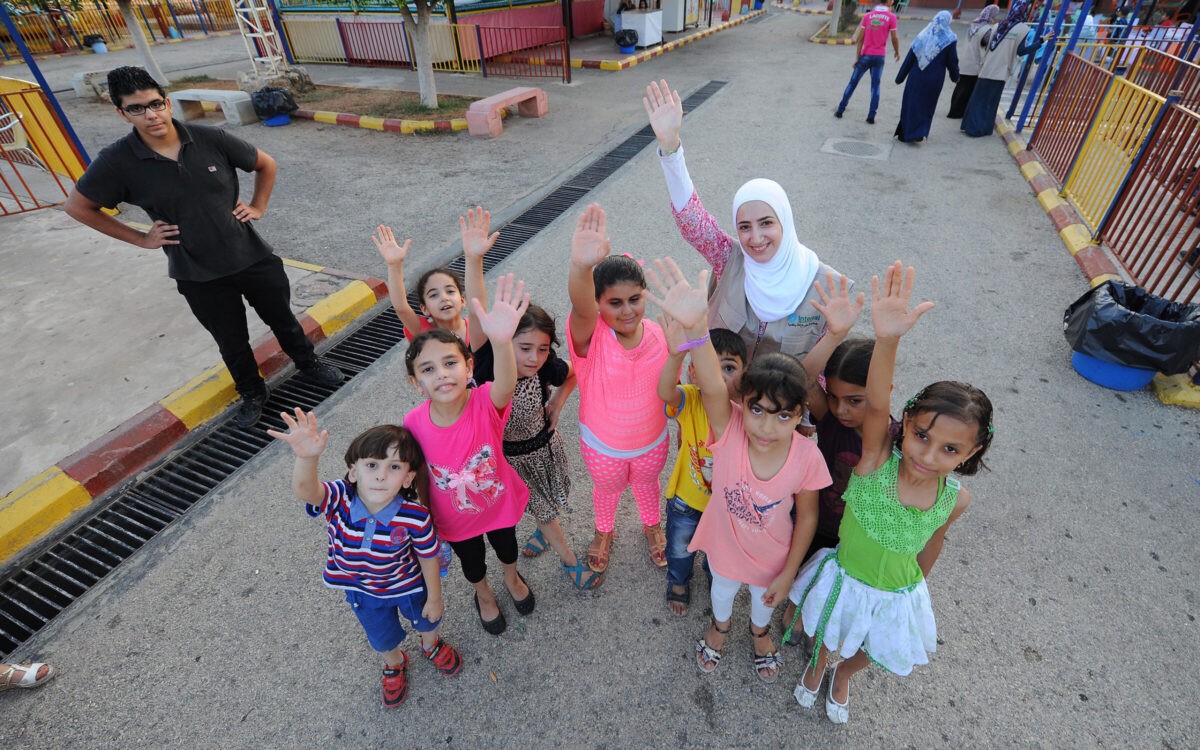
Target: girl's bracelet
point(692, 344)
point(672, 151)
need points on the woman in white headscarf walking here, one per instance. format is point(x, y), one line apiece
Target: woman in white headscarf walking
point(970, 59)
point(933, 54)
point(764, 276)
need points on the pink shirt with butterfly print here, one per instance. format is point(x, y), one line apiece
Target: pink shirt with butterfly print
point(746, 530)
point(472, 487)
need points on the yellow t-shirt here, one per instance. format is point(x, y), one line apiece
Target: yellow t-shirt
point(691, 479)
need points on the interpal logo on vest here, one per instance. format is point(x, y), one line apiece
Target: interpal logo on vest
point(803, 320)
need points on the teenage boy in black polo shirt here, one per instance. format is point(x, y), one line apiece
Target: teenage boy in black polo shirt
point(184, 177)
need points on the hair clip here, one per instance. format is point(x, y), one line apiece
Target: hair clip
point(910, 403)
point(991, 430)
point(635, 260)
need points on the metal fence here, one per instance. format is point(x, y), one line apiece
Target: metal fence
point(64, 30)
point(1154, 228)
point(528, 52)
point(38, 163)
point(1068, 113)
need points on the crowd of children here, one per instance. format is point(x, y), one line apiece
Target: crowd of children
point(842, 529)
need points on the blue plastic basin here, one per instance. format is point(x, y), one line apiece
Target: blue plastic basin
point(1109, 375)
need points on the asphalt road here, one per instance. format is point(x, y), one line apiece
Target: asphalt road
point(1064, 597)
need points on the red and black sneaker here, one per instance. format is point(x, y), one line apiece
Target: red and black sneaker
point(395, 684)
point(445, 658)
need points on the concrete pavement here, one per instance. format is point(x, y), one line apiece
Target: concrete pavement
point(1060, 595)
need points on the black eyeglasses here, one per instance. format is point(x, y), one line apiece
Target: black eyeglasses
point(158, 105)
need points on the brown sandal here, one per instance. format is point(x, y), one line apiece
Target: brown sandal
point(599, 550)
point(658, 544)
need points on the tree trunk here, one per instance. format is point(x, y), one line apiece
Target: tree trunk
point(418, 32)
point(139, 41)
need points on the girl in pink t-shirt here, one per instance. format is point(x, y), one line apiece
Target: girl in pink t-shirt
point(473, 490)
point(617, 357)
point(762, 468)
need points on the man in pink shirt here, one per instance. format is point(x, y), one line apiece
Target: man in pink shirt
point(871, 39)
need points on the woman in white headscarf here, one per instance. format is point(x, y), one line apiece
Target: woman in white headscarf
point(933, 54)
point(764, 276)
point(971, 59)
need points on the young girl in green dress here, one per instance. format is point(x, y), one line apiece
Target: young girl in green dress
point(867, 599)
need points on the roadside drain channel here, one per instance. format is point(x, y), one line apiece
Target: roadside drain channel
point(34, 594)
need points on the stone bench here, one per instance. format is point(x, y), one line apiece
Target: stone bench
point(483, 116)
point(90, 84)
point(238, 109)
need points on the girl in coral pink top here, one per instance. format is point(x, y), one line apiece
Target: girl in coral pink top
point(762, 469)
point(617, 357)
point(473, 490)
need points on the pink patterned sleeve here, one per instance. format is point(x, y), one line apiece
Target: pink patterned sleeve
point(699, 228)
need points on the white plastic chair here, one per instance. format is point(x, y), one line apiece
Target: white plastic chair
point(14, 142)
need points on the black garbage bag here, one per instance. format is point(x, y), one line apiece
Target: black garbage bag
point(626, 38)
point(273, 100)
point(1129, 326)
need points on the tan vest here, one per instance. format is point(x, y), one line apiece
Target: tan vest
point(728, 308)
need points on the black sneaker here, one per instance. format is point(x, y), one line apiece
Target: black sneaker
point(322, 373)
point(250, 408)
point(870, 120)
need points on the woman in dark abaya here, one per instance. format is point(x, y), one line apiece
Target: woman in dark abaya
point(932, 55)
point(971, 59)
point(1006, 43)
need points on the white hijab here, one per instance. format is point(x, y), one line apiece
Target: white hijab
point(776, 288)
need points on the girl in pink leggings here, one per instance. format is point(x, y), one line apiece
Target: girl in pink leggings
point(617, 357)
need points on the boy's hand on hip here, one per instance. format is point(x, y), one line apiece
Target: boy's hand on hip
point(244, 212)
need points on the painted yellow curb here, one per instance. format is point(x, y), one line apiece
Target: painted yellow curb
point(1076, 238)
point(1176, 390)
point(302, 265)
point(36, 507)
point(1104, 278)
point(327, 117)
point(370, 123)
point(342, 307)
point(1014, 147)
point(1032, 169)
point(1050, 199)
point(610, 65)
point(460, 123)
point(203, 397)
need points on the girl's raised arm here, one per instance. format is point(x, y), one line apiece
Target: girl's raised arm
point(892, 319)
point(499, 324)
point(477, 239)
point(840, 315)
point(394, 254)
point(589, 246)
point(689, 306)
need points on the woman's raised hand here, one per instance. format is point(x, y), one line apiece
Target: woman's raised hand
point(590, 244)
point(392, 252)
point(475, 227)
point(889, 310)
point(304, 437)
point(839, 310)
point(676, 296)
point(665, 110)
point(509, 304)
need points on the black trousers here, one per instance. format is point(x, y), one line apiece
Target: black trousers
point(471, 552)
point(218, 305)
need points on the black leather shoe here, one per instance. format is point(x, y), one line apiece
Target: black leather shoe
point(322, 373)
point(524, 606)
point(495, 627)
point(250, 408)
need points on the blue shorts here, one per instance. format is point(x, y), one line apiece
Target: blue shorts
point(380, 618)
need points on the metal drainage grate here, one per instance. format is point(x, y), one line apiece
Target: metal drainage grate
point(34, 595)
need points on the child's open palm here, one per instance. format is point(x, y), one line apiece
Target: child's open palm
point(510, 303)
point(839, 310)
point(677, 298)
point(665, 110)
point(590, 244)
point(889, 310)
point(673, 332)
point(385, 242)
point(302, 435)
point(475, 227)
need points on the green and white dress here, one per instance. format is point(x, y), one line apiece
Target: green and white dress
point(869, 592)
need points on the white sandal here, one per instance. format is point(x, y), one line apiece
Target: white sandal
point(838, 713)
point(28, 680)
point(706, 654)
point(805, 697)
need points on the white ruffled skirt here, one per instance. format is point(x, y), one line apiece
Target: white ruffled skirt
point(896, 629)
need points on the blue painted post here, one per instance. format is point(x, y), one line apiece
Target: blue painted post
point(67, 20)
point(146, 21)
point(1172, 100)
point(283, 40)
point(1041, 28)
point(1190, 46)
point(200, 16)
point(1048, 59)
point(482, 57)
point(175, 19)
point(27, 56)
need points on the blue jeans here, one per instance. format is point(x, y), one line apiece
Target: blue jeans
point(874, 64)
point(682, 520)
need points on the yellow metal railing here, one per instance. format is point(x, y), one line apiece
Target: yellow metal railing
point(1121, 126)
point(378, 40)
point(314, 38)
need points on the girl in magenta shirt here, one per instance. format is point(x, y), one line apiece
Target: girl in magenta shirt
point(617, 357)
point(473, 490)
point(762, 469)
